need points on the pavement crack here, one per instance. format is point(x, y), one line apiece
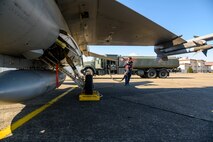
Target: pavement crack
point(165, 110)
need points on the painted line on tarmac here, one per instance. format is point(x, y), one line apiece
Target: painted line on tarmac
point(9, 129)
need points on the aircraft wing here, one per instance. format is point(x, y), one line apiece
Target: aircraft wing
point(104, 22)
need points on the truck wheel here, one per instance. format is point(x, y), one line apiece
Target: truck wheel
point(152, 73)
point(140, 73)
point(163, 73)
point(89, 69)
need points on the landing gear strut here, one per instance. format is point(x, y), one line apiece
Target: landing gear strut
point(69, 50)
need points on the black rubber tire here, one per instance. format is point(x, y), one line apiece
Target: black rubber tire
point(88, 87)
point(140, 73)
point(163, 73)
point(152, 73)
point(91, 70)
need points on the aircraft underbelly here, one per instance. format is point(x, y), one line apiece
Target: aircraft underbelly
point(28, 25)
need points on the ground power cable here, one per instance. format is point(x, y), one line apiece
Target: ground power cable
point(114, 78)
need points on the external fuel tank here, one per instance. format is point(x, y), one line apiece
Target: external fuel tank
point(20, 85)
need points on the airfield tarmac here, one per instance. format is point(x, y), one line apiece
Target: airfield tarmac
point(179, 108)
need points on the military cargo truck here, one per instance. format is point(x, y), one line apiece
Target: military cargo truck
point(143, 66)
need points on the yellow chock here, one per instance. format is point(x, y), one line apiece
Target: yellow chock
point(95, 96)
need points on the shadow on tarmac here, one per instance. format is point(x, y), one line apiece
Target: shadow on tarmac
point(125, 113)
point(138, 78)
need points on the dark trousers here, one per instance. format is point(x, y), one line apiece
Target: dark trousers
point(127, 77)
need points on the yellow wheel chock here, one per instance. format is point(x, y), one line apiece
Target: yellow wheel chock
point(95, 96)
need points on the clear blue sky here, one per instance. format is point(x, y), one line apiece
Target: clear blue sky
point(182, 17)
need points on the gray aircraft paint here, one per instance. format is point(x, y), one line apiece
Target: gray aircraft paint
point(27, 28)
point(20, 85)
point(28, 25)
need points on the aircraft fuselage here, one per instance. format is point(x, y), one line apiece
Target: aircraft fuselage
point(29, 25)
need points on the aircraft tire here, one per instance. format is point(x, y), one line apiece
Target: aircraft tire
point(88, 88)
